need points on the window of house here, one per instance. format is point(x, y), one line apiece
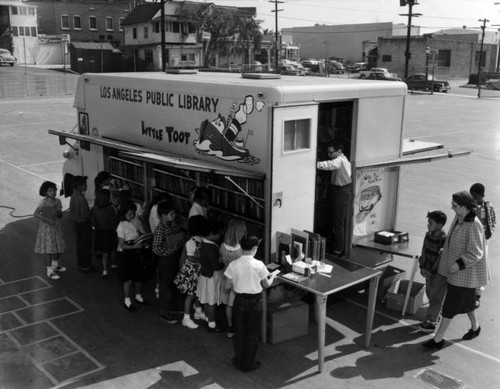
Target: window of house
point(109, 23)
point(297, 134)
point(148, 56)
point(176, 27)
point(156, 27)
point(146, 33)
point(77, 22)
point(386, 58)
point(483, 58)
point(31, 11)
point(187, 57)
point(444, 58)
point(15, 31)
point(14, 10)
point(93, 23)
point(191, 28)
point(21, 31)
point(134, 33)
point(102, 37)
point(65, 22)
point(33, 31)
point(27, 31)
point(109, 37)
point(120, 21)
point(23, 11)
point(169, 27)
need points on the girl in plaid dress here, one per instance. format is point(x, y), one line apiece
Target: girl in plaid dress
point(187, 278)
point(465, 265)
point(50, 238)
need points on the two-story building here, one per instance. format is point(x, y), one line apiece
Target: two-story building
point(142, 36)
point(87, 21)
point(18, 30)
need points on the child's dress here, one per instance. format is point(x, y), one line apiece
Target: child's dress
point(187, 278)
point(227, 255)
point(50, 237)
point(132, 267)
point(209, 283)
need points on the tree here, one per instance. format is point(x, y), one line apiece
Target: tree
point(229, 29)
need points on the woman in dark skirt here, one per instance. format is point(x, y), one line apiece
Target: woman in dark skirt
point(465, 264)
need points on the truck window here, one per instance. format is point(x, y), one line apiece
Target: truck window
point(297, 135)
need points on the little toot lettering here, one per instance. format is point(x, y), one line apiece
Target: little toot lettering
point(152, 132)
point(177, 136)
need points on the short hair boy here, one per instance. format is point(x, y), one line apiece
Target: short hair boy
point(435, 284)
point(247, 276)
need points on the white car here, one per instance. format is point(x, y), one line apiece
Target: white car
point(6, 58)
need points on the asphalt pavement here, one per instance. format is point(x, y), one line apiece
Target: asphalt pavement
point(74, 332)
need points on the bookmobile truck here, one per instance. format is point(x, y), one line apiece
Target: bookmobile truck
point(253, 139)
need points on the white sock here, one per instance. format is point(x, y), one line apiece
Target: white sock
point(187, 316)
point(128, 303)
point(211, 324)
point(50, 269)
point(139, 298)
point(55, 264)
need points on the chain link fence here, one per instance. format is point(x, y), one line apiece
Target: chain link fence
point(37, 85)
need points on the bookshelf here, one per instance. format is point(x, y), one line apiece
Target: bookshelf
point(128, 172)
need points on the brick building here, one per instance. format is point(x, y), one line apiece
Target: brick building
point(451, 56)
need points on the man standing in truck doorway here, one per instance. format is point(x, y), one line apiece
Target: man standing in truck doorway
point(339, 193)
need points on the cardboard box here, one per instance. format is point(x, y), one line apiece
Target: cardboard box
point(287, 320)
point(389, 276)
point(393, 237)
point(397, 293)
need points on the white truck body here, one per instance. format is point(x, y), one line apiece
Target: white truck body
point(254, 141)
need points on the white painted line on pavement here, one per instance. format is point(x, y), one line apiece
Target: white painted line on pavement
point(40, 164)
point(24, 170)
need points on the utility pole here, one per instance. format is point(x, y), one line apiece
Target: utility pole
point(410, 14)
point(483, 27)
point(277, 45)
point(162, 29)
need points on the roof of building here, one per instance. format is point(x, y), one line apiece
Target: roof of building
point(142, 13)
point(92, 45)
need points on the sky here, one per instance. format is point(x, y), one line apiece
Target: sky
point(436, 14)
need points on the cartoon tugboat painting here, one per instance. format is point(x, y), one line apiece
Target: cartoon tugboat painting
point(220, 137)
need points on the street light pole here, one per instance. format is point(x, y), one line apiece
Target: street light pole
point(427, 52)
point(483, 27)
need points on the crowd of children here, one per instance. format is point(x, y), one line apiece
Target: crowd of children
point(212, 265)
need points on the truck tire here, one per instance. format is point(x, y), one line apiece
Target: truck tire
point(489, 86)
point(362, 76)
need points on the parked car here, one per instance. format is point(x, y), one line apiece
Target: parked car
point(6, 58)
point(312, 64)
point(291, 70)
point(366, 73)
point(492, 84)
point(383, 76)
point(356, 67)
point(418, 82)
point(335, 67)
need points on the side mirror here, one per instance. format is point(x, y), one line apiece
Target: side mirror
point(62, 140)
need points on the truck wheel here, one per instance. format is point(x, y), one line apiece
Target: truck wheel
point(12, 64)
point(362, 76)
point(489, 86)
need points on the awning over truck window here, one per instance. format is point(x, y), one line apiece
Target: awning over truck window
point(411, 146)
point(412, 160)
point(153, 156)
point(189, 164)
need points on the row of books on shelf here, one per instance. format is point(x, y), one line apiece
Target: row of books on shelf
point(173, 184)
point(300, 245)
point(126, 170)
point(237, 203)
point(251, 186)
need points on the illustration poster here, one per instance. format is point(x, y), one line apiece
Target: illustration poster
point(375, 200)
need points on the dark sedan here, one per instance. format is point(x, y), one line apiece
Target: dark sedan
point(418, 82)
